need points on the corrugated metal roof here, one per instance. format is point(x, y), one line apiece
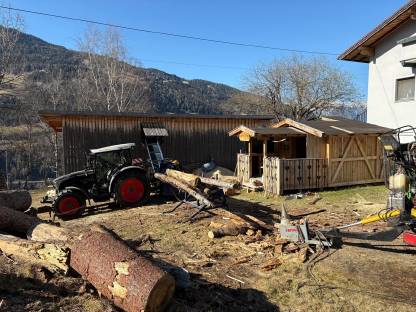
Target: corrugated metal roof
point(154, 130)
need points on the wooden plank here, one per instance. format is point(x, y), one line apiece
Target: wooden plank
point(365, 157)
point(300, 126)
point(341, 163)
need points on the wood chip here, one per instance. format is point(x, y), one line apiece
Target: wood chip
point(272, 264)
point(291, 248)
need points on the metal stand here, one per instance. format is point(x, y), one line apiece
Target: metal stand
point(185, 200)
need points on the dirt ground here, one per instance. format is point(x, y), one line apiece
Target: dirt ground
point(226, 273)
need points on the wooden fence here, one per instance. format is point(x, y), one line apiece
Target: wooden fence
point(303, 174)
point(243, 167)
point(280, 175)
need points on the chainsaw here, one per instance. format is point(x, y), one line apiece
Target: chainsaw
point(400, 211)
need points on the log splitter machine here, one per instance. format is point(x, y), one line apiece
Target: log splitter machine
point(400, 211)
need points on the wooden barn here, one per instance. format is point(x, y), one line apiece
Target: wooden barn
point(294, 156)
point(192, 139)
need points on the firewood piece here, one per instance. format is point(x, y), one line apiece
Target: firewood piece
point(216, 225)
point(52, 257)
point(185, 187)
point(228, 230)
point(17, 200)
point(315, 200)
point(272, 264)
point(188, 178)
point(119, 273)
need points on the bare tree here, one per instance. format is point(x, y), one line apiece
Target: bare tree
point(300, 88)
point(10, 26)
point(109, 80)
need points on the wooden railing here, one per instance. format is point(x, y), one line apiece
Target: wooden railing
point(281, 175)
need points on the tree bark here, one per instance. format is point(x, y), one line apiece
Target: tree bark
point(132, 282)
point(184, 187)
point(221, 184)
point(17, 200)
point(229, 230)
point(119, 273)
point(188, 178)
point(16, 222)
point(52, 257)
point(244, 218)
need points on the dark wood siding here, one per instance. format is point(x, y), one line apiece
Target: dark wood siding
point(190, 140)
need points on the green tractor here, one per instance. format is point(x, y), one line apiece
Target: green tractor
point(111, 173)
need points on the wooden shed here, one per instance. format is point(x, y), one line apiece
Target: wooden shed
point(294, 156)
point(192, 139)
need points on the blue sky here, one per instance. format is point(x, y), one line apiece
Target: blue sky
point(320, 25)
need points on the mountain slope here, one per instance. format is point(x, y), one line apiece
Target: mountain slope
point(166, 92)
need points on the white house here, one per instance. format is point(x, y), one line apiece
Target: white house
point(390, 51)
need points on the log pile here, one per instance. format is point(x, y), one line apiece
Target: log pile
point(17, 200)
point(132, 282)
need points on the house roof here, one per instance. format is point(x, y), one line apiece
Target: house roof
point(253, 132)
point(320, 128)
point(363, 49)
point(333, 125)
point(55, 118)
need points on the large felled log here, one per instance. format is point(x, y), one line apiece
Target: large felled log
point(16, 222)
point(119, 273)
point(132, 282)
point(185, 187)
point(218, 183)
point(17, 200)
point(52, 257)
point(231, 229)
point(188, 178)
point(244, 218)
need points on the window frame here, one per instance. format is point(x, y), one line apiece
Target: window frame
point(396, 87)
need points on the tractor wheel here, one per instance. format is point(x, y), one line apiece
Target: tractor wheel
point(131, 190)
point(69, 204)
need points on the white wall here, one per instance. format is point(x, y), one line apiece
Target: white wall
point(384, 69)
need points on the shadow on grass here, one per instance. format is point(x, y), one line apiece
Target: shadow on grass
point(194, 293)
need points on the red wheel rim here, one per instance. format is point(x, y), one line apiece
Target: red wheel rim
point(132, 190)
point(68, 205)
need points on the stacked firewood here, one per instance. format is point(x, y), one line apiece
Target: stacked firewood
point(132, 282)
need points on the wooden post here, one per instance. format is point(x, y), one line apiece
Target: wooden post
point(328, 159)
point(279, 177)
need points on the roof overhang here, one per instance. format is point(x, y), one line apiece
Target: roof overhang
point(245, 134)
point(55, 118)
point(112, 148)
point(291, 123)
point(363, 50)
point(409, 62)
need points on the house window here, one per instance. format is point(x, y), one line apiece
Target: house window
point(405, 89)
